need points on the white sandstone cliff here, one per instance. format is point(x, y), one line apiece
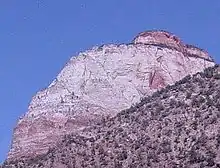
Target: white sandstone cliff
point(100, 82)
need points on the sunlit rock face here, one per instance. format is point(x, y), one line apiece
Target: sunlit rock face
point(158, 37)
point(101, 82)
point(170, 40)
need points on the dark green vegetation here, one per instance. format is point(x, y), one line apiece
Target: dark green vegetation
point(178, 126)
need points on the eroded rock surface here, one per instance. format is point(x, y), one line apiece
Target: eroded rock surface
point(101, 82)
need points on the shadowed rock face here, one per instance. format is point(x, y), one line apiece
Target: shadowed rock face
point(101, 82)
point(179, 126)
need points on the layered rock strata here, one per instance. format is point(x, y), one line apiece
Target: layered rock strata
point(101, 82)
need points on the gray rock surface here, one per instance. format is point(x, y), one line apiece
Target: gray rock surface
point(101, 82)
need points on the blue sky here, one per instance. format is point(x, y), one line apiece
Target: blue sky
point(37, 37)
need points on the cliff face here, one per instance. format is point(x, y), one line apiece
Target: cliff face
point(101, 82)
point(178, 126)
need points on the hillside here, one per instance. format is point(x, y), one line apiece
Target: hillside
point(101, 82)
point(177, 126)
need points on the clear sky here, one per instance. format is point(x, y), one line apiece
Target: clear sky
point(37, 37)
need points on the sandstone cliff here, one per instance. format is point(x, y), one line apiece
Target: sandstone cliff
point(101, 82)
point(178, 126)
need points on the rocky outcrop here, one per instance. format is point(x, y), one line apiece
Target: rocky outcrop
point(163, 38)
point(101, 82)
point(178, 126)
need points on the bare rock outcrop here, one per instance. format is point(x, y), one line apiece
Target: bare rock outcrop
point(101, 82)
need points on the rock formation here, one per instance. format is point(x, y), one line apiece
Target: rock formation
point(101, 82)
point(178, 126)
